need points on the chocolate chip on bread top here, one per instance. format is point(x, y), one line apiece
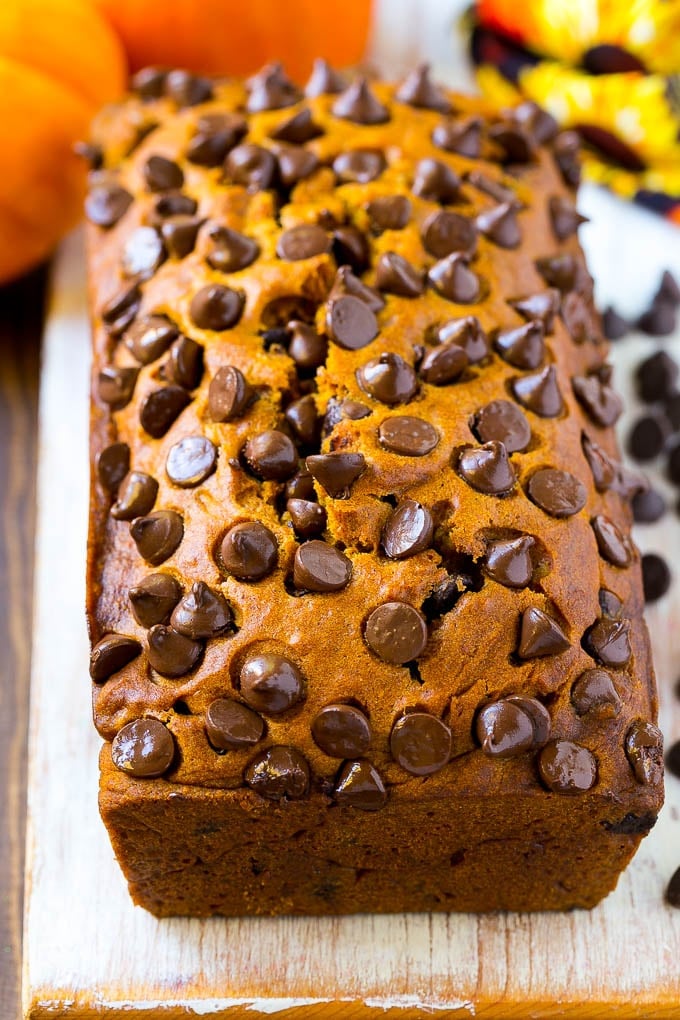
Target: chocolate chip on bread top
point(359, 558)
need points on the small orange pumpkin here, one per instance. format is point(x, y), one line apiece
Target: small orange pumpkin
point(59, 61)
point(239, 36)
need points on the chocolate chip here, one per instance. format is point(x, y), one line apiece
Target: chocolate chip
point(324, 80)
point(669, 289)
point(161, 408)
point(659, 320)
point(522, 347)
point(542, 306)
point(115, 386)
point(672, 759)
point(648, 436)
point(302, 242)
point(487, 468)
point(506, 728)
point(358, 104)
point(388, 212)
point(500, 225)
point(656, 577)
point(468, 334)
point(157, 535)
point(307, 349)
point(202, 613)
point(149, 82)
point(320, 567)
point(420, 91)
point(270, 682)
point(248, 551)
point(610, 542)
point(150, 337)
point(515, 143)
point(232, 726)
point(565, 272)
point(350, 322)
point(601, 465)
point(644, 751)
point(350, 247)
point(443, 364)
point(541, 125)
point(602, 404)
point(303, 419)
point(359, 165)
point(608, 642)
point(251, 166)
point(593, 692)
point(503, 422)
point(336, 472)
point(656, 377)
point(106, 204)
point(185, 363)
point(228, 394)
point(216, 134)
point(154, 598)
point(346, 283)
point(396, 632)
point(271, 89)
point(672, 895)
point(136, 496)
point(614, 326)
point(120, 310)
point(540, 392)
point(309, 519)
point(610, 604)
point(436, 182)
point(672, 409)
point(463, 137)
point(540, 635)
point(230, 251)
point(112, 465)
point(648, 506)
point(359, 786)
point(295, 164)
point(445, 232)
point(143, 748)
point(566, 150)
point(216, 307)
point(509, 561)
point(492, 187)
point(454, 280)
point(389, 379)
point(408, 436)
point(271, 455)
point(187, 89)
point(420, 743)
point(673, 468)
point(409, 530)
point(191, 461)
point(280, 772)
point(301, 486)
point(172, 654)
point(161, 174)
point(557, 492)
point(395, 275)
point(173, 203)
point(143, 252)
point(110, 654)
point(566, 767)
point(580, 318)
point(298, 129)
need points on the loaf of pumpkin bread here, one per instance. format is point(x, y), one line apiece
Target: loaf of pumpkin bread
point(365, 613)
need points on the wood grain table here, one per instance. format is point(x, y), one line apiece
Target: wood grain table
point(21, 319)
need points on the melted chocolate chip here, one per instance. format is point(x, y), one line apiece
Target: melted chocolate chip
point(359, 165)
point(540, 392)
point(463, 137)
point(216, 307)
point(540, 635)
point(295, 164)
point(106, 204)
point(280, 772)
point(302, 242)
point(443, 364)
point(593, 692)
point(115, 386)
point(230, 251)
point(320, 567)
point(347, 283)
point(611, 544)
point(420, 743)
point(564, 217)
point(172, 654)
point(251, 166)
point(436, 182)
point(420, 91)
point(409, 530)
point(143, 749)
point(336, 472)
point(557, 492)
point(608, 641)
point(301, 486)
point(445, 232)
point(136, 496)
point(350, 247)
point(468, 334)
point(359, 786)
point(308, 518)
point(154, 598)
point(503, 422)
point(173, 203)
point(270, 683)
point(644, 751)
point(350, 322)
point(500, 225)
point(157, 535)
point(341, 731)
point(408, 436)
point(396, 633)
point(395, 275)
point(191, 461)
point(161, 408)
point(248, 551)
point(506, 728)
point(303, 419)
point(388, 212)
point(307, 349)
point(600, 401)
point(324, 80)
point(110, 654)
point(271, 89)
point(202, 613)
point(487, 468)
point(112, 465)
point(389, 379)
point(610, 604)
point(228, 394)
point(542, 306)
point(232, 726)
point(566, 767)
point(161, 174)
point(120, 310)
point(271, 456)
point(358, 104)
point(522, 347)
point(150, 337)
point(509, 561)
point(454, 280)
point(185, 363)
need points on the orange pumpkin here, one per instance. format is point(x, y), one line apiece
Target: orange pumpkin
point(239, 36)
point(59, 61)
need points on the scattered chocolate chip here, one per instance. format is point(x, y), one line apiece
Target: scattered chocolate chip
point(270, 683)
point(648, 506)
point(185, 363)
point(463, 137)
point(358, 104)
point(202, 613)
point(564, 217)
point(672, 759)
point(324, 80)
point(228, 394)
point(614, 326)
point(191, 461)
point(336, 472)
point(359, 165)
point(487, 468)
point(611, 544)
point(106, 204)
point(298, 129)
point(659, 320)
point(359, 785)
point(408, 436)
point(648, 436)
point(436, 182)
point(542, 306)
point(304, 420)
point(307, 349)
point(232, 726)
point(509, 561)
point(593, 692)
point(522, 347)
point(396, 632)
point(110, 654)
point(154, 598)
point(350, 322)
point(420, 91)
point(644, 751)
point(302, 242)
point(420, 743)
point(161, 408)
point(452, 278)
point(445, 232)
point(271, 455)
point(230, 251)
point(566, 767)
point(656, 377)
point(443, 364)
point(115, 386)
point(673, 467)
point(280, 772)
point(320, 567)
point(172, 654)
point(271, 89)
point(350, 247)
point(672, 410)
point(409, 530)
point(388, 212)
point(395, 275)
point(500, 225)
point(389, 379)
point(308, 518)
point(346, 283)
point(515, 143)
point(466, 333)
point(248, 551)
point(506, 728)
point(540, 635)
point(608, 642)
point(656, 577)
point(668, 290)
point(251, 166)
point(187, 89)
point(540, 392)
point(143, 748)
point(161, 174)
point(295, 164)
point(602, 404)
point(672, 895)
point(558, 493)
point(142, 254)
point(136, 496)
point(112, 465)
point(157, 535)
point(216, 307)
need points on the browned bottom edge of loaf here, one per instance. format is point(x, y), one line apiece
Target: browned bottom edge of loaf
point(197, 852)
